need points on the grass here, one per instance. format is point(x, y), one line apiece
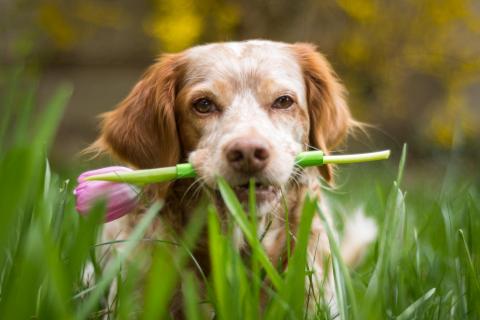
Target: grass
point(424, 264)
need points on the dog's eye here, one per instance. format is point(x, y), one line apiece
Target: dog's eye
point(204, 106)
point(283, 102)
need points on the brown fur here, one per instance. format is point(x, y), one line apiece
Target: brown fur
point(142, 130)
point(330, 117)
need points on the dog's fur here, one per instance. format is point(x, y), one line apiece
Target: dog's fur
point(157, 125)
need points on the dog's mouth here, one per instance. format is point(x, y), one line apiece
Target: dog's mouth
point(263, 192)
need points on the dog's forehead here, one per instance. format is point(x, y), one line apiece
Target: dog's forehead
point(240, 61)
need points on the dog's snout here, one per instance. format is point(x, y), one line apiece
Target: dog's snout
point(247, 155)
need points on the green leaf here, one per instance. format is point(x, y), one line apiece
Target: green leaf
point(346, 299)
point(240, 217)
point(191, 298)
point(401, 166)
point(415, 307)
point(216, 244)
point(470, 265)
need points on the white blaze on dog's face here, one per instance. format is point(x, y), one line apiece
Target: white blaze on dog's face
point(242, 112)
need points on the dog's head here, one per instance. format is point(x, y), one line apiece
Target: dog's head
point(237, 110)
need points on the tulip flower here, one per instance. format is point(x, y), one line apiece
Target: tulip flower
point(121, 198)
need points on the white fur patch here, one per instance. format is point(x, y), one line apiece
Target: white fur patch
point(245, 78)
point(360, 231)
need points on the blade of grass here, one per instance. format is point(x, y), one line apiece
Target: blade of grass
point(394, 211)
point(112, 270)
point(25, 279)
point(216, 244)
point(471, 266)
point(8, 102)
point(287, 225)
point(346, 300)
point(190, 295)
point(293, 293)
point(414, 307)
point(401, 165)
point(169, 261)
point(22, 133)
point(240, 217)
point(48, 123)
point(255, 267)
point(297, 267)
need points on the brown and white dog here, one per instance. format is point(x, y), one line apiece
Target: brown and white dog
point(236, 110)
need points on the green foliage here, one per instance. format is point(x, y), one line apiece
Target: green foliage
point(425, 263)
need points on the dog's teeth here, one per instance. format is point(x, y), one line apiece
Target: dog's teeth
point(258, 186)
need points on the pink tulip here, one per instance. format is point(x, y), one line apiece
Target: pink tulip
point(121, 198)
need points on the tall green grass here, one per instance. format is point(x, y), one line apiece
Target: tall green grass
point(425, 263)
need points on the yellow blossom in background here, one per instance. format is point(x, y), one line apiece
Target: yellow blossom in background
point(454, 118)
point(356, 49)
point(56, 24)
point(179, 24)
point(361, 10)
point(100, 14)
point(176, 24)
point(442, 130)
point(66, 23)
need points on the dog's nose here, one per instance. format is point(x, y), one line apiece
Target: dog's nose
point(247, 155)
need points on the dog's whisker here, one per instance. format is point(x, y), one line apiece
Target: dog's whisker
point(191, 187)
point(195, 188)
point(198, 189)
point(296, 176)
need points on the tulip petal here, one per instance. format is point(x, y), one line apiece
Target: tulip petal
point(121, 198)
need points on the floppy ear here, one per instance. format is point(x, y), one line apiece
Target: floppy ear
point(329, 115)
point(141, 130)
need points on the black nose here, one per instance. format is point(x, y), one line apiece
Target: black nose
point(247, 155)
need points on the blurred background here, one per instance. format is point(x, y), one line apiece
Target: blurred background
point(411, 66)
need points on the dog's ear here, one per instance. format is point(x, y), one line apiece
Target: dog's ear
point(329, 115)
point(142, 130)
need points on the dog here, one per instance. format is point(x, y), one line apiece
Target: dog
point(238, 110)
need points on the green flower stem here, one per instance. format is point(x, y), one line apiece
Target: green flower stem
point(139, 177)
point(355, 158)
point(186, 170)
point(309, 158)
